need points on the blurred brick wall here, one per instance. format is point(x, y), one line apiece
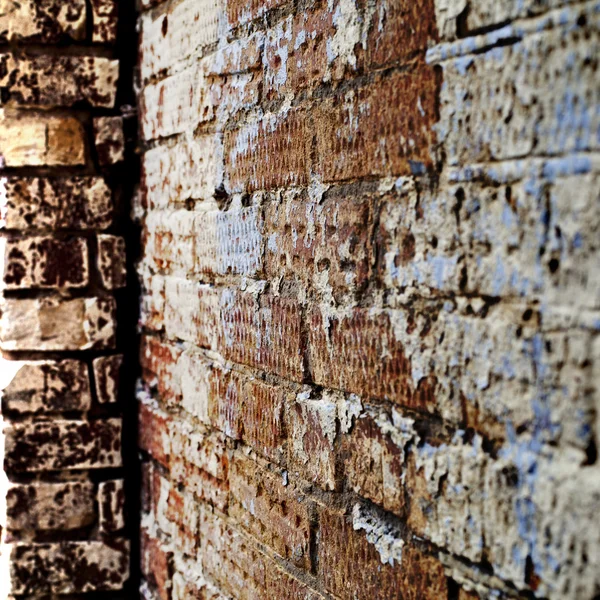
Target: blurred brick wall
point(62, 274)
point(371, 299)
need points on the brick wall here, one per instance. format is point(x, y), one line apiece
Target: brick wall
point(370, 306)
point(63, 188)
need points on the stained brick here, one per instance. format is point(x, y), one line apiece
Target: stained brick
point(109, 140)
point(104, 21)
point(56, 445)
point(60, 80)
point(45, 21)
point(159, 367)
point(111, 501)
point(50, 506)
point(112, 261)
point(68, 567)
point(52, 324)
point(107, 375)
point(153, 432)
point(240, 12)
point(44, 386)
point(58, 203)
point(156, 563)
point(44, 262)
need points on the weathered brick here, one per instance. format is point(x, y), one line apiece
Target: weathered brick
point(107, 375)
point(68, 567)
point(56, 445)
point(50, 506)
point(57, 203)
point(43, 20)
point(156, 563)
point(375, 564)
point(105, 15)
point(44, 262)
point(112, 261)
point(325, 243)
point(59, 80)
point(187, 170)
point(41, 140)
point(153, 431)
point(109, 140)
point(262, 333)
point(44, 386)
point(272, 153)
point(159, 362)
point(152, 308)
point(240, 12)
point(54, 324)
point(111, 501)
point(384, 128)
point(493, 105)
point(170, 36)
point(277, 515)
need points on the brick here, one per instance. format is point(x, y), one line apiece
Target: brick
point(153, 432)
point(191, 312)
point(48, 324)
point(57, 445)
point(360, 353)
point(492, 106)
point(381, 129)
point(44, 386)
point(59, 80)
point(272, 153)
point(351, 564)
point(50, 506)
point(105, 15)
point(170, 36)
point(57, 203)
point(109, 140)
point(239, 12)
point(277, 515)
point(187, 170)
point(45, 21)
point(107, 375)
point(330, 242)
point(68, 567)
point(263, 334)
point(44, 262)
point(112, 261)
point(312, 440)
point(42, 140)
point(399, 30)
point(159, 362)
point(111, 502)
point(156, 563)
point(248, 410)
point(229, 242)
point(184, 513)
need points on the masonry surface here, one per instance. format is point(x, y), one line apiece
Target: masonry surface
point(369, 316)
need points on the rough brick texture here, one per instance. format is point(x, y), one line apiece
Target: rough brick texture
point(63, 200)
point(370, 302)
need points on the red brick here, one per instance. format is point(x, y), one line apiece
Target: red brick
point(249, 410)
point(57, 445)
point(351, 566)
point(268, 155)
point(158, 361)
point(399, 29)
point(44, 262)
point(309, 239)
point(378, 130)
point(263, 334)
point(156, 564)
point(240, 12)
point(153, 436)
point(278, 515)
point(359, 353)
